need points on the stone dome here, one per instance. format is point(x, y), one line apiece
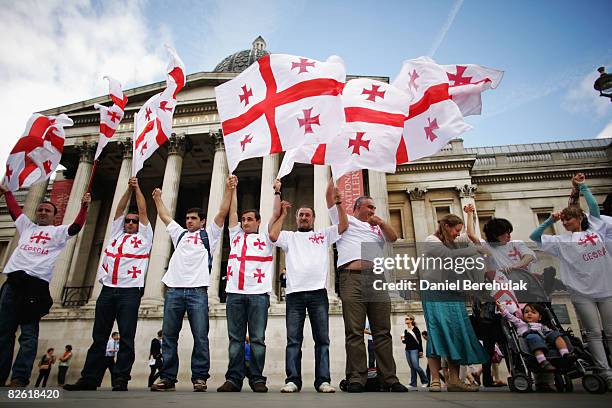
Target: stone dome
point(241, 60)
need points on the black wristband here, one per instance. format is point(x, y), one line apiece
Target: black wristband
point(277, 193)
point(338, 202)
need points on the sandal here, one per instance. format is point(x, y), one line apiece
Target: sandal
point(461, 387)
point(435, 386)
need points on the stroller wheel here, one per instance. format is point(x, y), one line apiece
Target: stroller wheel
point(594, 384)
point(520, 383)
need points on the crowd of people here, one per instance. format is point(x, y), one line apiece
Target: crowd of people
point(456, 344)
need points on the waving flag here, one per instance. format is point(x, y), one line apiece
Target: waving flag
point(38, 151)
point(433, 118)
point(278, 103)
point(153, 122)
point(467, 82)
point(110, 117)
point(375, 113)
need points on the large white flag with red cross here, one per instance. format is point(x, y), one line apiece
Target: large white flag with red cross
point(110, 116)
point(467, 82)
point(375, 113)
point(37, 152)
point(433, 118)
point(153, 122)
point(279, 103)
point(506, 297)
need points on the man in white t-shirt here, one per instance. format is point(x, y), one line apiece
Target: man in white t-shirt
point(24, 297)
point(249, 283)
point(121, 271)
point(307, 262)
point(187, 281)
point(355, 274)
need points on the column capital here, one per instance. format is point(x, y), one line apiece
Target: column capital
point(126, 147)
point(218, 138)
point(86, 152)
point(416, 193)
point(467, 190)
point(176, 144)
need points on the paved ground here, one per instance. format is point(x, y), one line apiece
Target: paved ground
point(136, 398)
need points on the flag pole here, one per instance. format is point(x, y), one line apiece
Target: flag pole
point(91, 176)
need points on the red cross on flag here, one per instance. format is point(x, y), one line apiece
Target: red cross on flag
point(153, 122)
point(110, 117)
point(279, 103)
point(467, 82)
point(433, 118)
point(506, 297)
point(38, 152)
point(375, 113)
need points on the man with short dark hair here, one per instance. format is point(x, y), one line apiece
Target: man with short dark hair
point(112, 347)
point(187, 281)
point(122, 273)
point(24, 297)
point(307, 261)
point(249, 283)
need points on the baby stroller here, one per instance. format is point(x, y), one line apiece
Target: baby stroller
point(522, 363)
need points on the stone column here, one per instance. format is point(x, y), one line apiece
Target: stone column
point(122, 182)
point(81, 180)
point(269, 171)
point(322, 221)
point(160, 252)
point(217, 188)
point(377, 182)
point(466, 196)
point(36, 195)
point(419, 216)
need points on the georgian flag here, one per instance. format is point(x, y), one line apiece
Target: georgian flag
point(38, 152)
point(279, 103)
point(153, 122)
point(375, 113)
point(467, 82)
point(506, 297)
point(433, 118)
point(110, 117)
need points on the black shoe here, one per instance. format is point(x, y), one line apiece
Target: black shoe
point(355, 387)
point(120, 386)
point(228, 386)
point(259, 387)
point(397, 387)
point(80, 385)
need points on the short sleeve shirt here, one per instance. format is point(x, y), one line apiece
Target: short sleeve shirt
point(188, 267)
point(307, 257)
point(249, 265)
point(509, 254)
point(126, 258)
point(38, 248)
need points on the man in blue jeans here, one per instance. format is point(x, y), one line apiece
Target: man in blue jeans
point(249, 283)
point(24, 297)
point(307, 262)
point(187, 281)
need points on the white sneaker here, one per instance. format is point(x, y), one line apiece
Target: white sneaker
point(424, 386)
point(326, 388)
point(290, 387)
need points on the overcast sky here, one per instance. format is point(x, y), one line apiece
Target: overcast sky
point(56, 52)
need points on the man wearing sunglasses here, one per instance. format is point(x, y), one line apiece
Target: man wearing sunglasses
point(122, 273)
point(24, 297)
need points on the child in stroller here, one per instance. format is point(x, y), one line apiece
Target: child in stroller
point(536, 334)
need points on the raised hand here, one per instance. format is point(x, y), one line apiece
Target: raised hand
point(277, 185)
point(469, 209)
point(157, 193)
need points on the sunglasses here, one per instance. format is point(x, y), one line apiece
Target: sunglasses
point(131, 221)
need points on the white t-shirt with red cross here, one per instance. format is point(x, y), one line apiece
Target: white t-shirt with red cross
point(249, 266)
point(126, 258)
point(307, 257)
point(188, 267)
point(509, 254)
point(38, 248)
point(357, 233)
point(585, 260)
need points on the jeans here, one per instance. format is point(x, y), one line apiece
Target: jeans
point(44, 376)
point(194, 301)
point(61, 375)
point(371, 354)
point(28, 339)
point(315, 301)
point(412, 356)
point(596, 317)
point(119, 304)
point(536, 342)
point(246, 311)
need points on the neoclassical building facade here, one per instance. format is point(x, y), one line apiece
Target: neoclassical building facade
point(523, 183)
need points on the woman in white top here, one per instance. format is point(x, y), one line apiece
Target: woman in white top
point(585, 269)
